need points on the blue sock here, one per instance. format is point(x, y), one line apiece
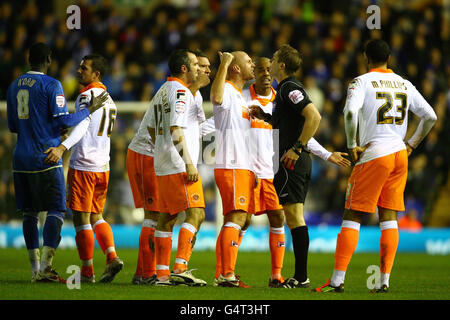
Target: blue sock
point(31, 231)
point(52, 229)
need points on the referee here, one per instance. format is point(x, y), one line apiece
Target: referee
point(297, 120)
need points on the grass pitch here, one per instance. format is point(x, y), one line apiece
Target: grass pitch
point(414, 277)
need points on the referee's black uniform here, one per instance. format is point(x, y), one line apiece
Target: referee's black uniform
point(291, 98)
point(292, 185)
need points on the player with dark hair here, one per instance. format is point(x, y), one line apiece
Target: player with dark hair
point(88, 175)
point(37, 111)
point(262, 94)
point(172, 121)
point(297, 119)
point(377, 106)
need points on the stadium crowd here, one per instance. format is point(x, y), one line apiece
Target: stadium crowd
point(330, 37)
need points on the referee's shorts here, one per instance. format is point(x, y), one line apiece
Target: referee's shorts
point(292, 185)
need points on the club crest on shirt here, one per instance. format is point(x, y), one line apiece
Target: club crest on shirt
point(60, 101)
point(296, 96)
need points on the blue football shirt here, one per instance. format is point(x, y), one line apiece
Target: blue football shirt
point(34, 100)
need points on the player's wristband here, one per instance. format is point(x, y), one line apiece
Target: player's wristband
point(296, 151)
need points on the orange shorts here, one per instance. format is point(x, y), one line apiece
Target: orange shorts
point(236, 189)
point(176, 194)
point(87, 190)
point(143, 182)
point(265, 197)
point(379, 182)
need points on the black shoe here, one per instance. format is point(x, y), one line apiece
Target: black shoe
point(384, 289)
point(275, 283)
point(294, 283)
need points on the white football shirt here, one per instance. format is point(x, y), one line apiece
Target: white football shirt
point(173, 105)
point(232, 122)
point(89, 141)
point(261, 134)
point(142, 142)
point(381, 99)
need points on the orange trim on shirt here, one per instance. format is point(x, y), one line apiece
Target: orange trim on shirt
point(93, 85)
point(255, 96)
point(381, 70)
point(178, 80)
point(233, 85)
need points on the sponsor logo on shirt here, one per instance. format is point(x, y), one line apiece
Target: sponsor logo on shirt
point(60, 101)
point(296, 96)
point(180, 103)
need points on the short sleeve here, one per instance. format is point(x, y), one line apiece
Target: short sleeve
point(295, 96)
point(179, 102)
point(226, 98)
point(57, 100)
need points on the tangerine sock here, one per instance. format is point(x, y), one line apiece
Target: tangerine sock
point(219, 254)
point(347, 241)
point(185, 246)
point(277, 248)
point(388, 248)
point(163, 250)
point(105, 239)
point(85, 241)
point(230, 247)
point(146, 259)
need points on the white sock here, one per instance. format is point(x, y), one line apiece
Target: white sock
point(337, 278)
point(384, 279)
point(35, 258)
point(47, 257)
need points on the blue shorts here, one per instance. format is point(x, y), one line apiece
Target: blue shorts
point(40, 191)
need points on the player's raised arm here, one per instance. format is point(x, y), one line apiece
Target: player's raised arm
point(218, 84)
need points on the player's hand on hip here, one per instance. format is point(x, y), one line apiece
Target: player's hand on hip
point(356, 152)
point(54, 154)
point(192, 173)
point(98, 101)
point(289, 159)
point(255, 185)
point(338, 159)
point(409, 149)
